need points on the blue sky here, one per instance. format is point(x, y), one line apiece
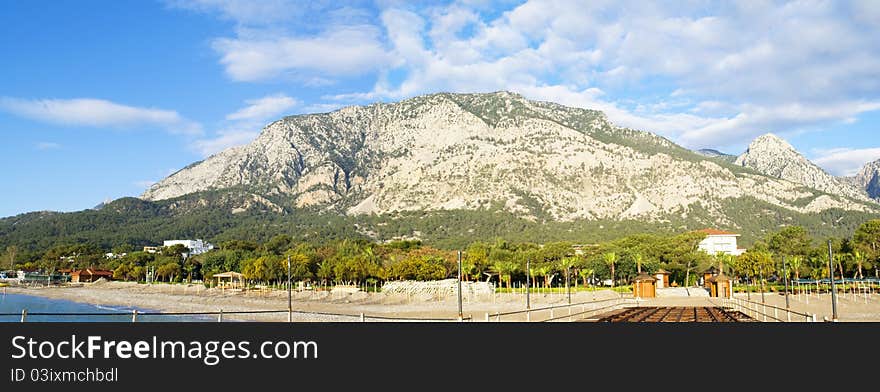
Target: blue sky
point(98, 99)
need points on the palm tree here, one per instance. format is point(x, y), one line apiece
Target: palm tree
point(818, 269)
point(532, 272)
point(795, 262)
point(468, 266)
point(585, 274)
point(507, 269)
point(610, 259)
point(499, 267)
point(545, 271)
point(565, 265)
point(859, 259)
point(638, 258)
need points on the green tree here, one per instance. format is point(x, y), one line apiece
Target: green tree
point(867, 239)
point(547, 272)
point(790, 241)
point(122, 272)
point(138, 273)
point(858, 260)
point(11, 252)
point(585, 274)
point(168, 271)
point(566, 264)
point(796, 262)
point(507, 269)
point(610, 258)
point(176, 251)
point(278, 244)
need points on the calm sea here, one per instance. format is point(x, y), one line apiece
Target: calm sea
point(14, 303)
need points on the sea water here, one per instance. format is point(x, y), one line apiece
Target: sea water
point(11, 306)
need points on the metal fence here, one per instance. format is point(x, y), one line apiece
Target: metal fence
point(565, 312)
point(763, 312)
point(217, 316)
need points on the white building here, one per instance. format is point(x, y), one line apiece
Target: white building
point(718, 241)
point(195, 247)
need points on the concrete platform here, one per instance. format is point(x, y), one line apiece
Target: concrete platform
point(674, 292)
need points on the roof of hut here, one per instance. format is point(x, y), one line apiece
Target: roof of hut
point(644, 277)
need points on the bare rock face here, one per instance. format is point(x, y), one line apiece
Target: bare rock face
point(773, 156)
point(869, 179)
point(470, 151)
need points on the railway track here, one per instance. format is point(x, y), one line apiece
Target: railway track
point(673, 314)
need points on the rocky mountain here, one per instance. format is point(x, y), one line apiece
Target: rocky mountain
point(537, 160)
point(773, 156)
point(869, 179)
point(710, 153)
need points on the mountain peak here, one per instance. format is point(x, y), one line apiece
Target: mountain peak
point(769, 140)
point(869, 179)
point(773, 156)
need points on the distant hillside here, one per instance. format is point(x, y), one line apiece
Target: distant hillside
point(710, 153)
point(141, 223)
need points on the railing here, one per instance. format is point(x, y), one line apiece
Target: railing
point(759, 311)
point(564, 312)
point(136, 316)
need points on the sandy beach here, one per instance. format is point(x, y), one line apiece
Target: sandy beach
point(324, 306)
point(307, 304)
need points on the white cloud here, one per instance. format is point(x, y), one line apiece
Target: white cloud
point(750, 72)
point(264, 108)
point(756, 120)
point(243, 125)
point(43, 146)
point(342, 50)
point(98, 113)
point(845, 161)
point(733, 70)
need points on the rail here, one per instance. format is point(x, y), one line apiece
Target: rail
point(758, 311)
point(549, 312)
point(136, 316)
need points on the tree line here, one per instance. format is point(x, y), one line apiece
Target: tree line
point(357, 261)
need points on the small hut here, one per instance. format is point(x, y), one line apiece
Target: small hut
point(708, 274)
point(644, 286)
point(89, 275)
point(230, 280)
point(662, 276)
point(720, 286)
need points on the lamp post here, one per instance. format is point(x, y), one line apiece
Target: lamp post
point(568, 286)
point(762, 284)
point(785, 277)
point(460, 313)
point(528, 283)
point(289, 294)
point(833, 289)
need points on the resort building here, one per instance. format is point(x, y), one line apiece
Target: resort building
point(718, 241)
point(195, 247)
